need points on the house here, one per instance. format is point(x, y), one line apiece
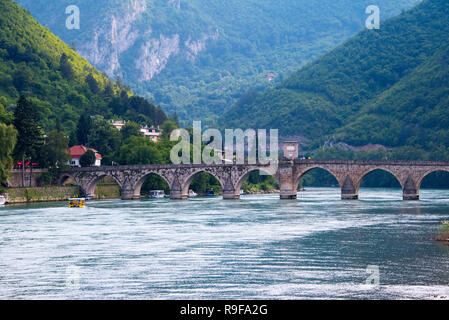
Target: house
point(77, 151)
point(118, 124)
point(152, 133)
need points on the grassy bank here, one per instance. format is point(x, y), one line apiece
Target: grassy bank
point(40, 194)
point(443, 235)
point(107, 191)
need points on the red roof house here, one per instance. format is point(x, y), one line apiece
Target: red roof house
point(77, 151)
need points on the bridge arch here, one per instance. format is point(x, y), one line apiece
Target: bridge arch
point(89, 189)
point(427, 173)
point(242, 178)
point(384, 169)
point(301, 174)
point(405, 185)
point(141, 181)
point(64, 178)
point(188, 180)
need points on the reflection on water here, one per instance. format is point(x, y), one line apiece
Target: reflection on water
point(317, 246)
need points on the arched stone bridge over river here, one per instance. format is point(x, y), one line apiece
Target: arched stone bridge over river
point(349, 174)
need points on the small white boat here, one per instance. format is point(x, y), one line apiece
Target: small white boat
point(2, 200)
point(242, 192)
point(156, 194)
point(192, 193)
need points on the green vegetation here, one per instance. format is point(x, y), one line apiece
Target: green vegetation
point(18, 195)
point(255, 182)
point(443, 234)
point(107, 188)
point(246, 41)
point(8, 136)
point(29, 138)
point(387, 86)
point(87, 159)
point(56, 80)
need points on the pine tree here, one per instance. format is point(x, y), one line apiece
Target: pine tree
point(92, 83)
point(66, 67)
point(30, 135)
point(83, 129)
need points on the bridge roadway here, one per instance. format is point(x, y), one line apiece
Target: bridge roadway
point(349, 174)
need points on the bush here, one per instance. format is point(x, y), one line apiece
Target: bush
point(87, 159)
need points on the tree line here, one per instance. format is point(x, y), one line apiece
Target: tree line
point(23, 139)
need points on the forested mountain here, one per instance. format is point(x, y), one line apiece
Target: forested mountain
point(387, 86)
point(38, 65)
point(198, 57)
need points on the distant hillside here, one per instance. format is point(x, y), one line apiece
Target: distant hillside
point(387, 86)
point(37, 64)
point(197, 57)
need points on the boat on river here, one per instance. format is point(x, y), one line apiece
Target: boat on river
point(156, 194)
point(77, 202)
point(2, 200)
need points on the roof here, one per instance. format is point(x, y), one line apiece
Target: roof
point(77, 151)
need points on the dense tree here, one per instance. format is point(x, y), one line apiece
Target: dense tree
point(30, 134)
point(140, 150)
point(93, 84)
point(379, 87)
point(8, 135)
point(37, 64)
point(53, 153)
point(5, 117)
point(65, 67)
point(167, 128)
point(104, 138)
point(130, 129)
point(83, 129)
point(87, 159)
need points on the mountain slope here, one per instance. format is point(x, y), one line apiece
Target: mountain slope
point(37, 64)
point(198, 57)
point(384, 86)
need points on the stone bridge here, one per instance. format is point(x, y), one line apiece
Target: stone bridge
point(349, 174)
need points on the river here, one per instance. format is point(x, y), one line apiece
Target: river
point(258, 247)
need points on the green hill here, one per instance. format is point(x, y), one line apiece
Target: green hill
point(197, 57)
point(37, 64)
point(387, 86)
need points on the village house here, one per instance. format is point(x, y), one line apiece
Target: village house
point(118, 124)
point(150, 132)
point(77, 151)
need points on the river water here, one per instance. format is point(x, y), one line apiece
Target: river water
point(258, 247)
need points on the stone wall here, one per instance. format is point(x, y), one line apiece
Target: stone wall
point(15, 177)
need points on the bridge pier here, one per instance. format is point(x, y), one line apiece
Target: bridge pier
point(230, 195)
point(178, 195)
point(410, 190)
point(410, 196)
point(349, 196)
point(128, 194)
point(287, 183)
point(348, 190)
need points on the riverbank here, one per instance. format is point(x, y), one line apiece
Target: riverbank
point(443, 235)
point(57, 193)
point(41, 194)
